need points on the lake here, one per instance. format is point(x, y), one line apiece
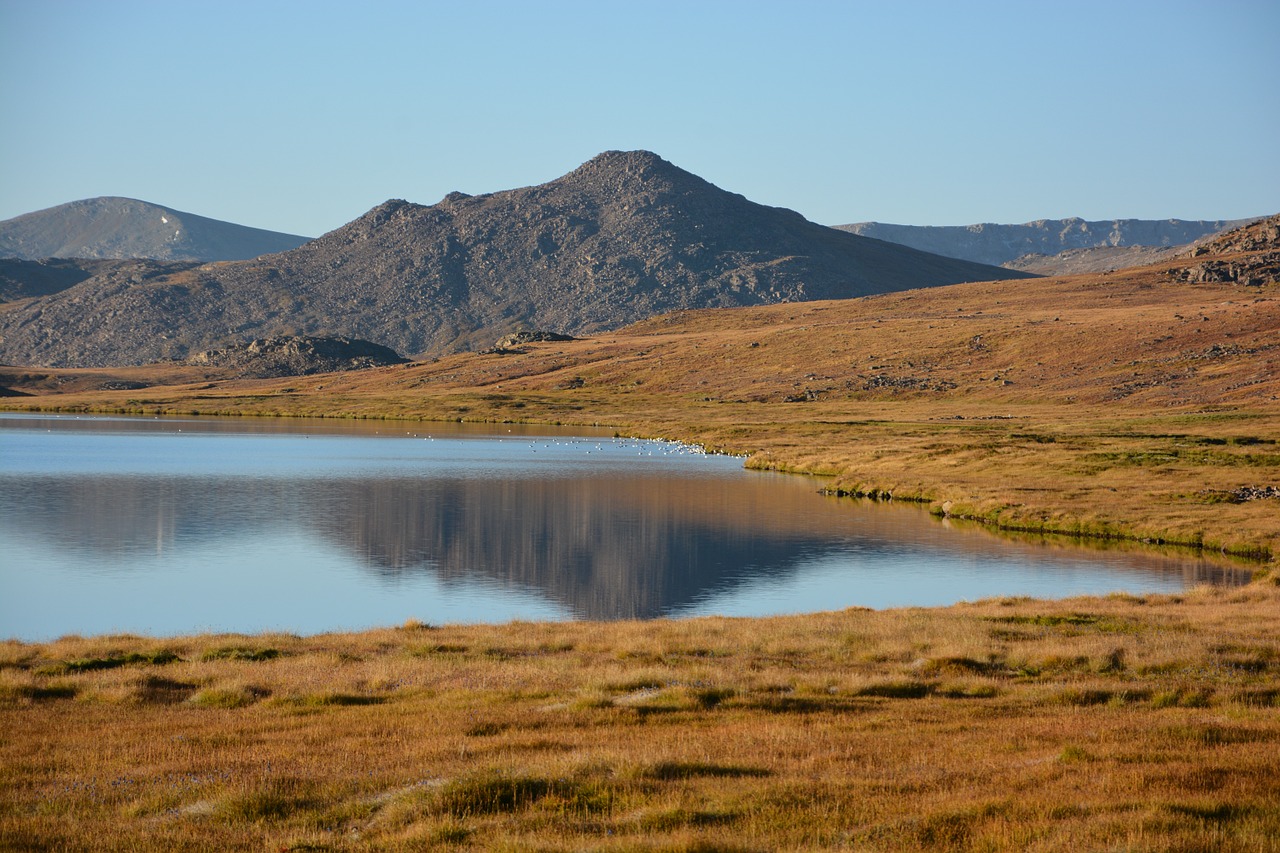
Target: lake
point(181, 525)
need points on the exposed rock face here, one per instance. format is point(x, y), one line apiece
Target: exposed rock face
point(298, 356)
point(625, 236)
point(1262, 235)
point(110, 227)
point(1004, 244)
point(1248, 256)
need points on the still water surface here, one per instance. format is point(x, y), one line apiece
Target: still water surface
point(168, 526)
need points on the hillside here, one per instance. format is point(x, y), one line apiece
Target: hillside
point(23, 279)
point(1094, 260)
point(1050, 246)
point(624, 237)
point(119, 228)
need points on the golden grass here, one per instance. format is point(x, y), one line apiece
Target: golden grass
point(1126, 405)
point(1146, 723)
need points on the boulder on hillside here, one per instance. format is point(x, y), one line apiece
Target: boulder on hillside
point(517, 339)
point(297, 355)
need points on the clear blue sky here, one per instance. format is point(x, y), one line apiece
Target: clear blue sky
point(299, 116)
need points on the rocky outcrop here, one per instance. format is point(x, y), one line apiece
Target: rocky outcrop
point(1252, 272)
point(519, 339)
point(1249, 256)
point(297, 356)
point(1262, 235)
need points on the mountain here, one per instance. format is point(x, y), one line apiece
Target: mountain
point(110, 227)
point(1093, 260)
point(623, 237)
point(1003, 244)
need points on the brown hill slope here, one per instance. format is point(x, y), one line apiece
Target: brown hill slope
point(625, 236)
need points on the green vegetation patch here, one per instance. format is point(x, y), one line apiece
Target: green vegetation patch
point(1074, 622)
point(214, 697)
point(273, 799)
point(1083, 696)
point(241, 653)
point(431, 649)
point(667, 820)
point(37, 692)
point(111, 661)
point(495, 792)
point(1178, 455)
point(316, 701)
point(962, 666)
point(1183, 697)
point(897, 689)
point(666, 771)
point(1263, 697)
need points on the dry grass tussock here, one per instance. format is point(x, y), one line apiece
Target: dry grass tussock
point(1117, 723)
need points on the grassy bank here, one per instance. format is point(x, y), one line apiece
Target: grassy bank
point(1121, 723)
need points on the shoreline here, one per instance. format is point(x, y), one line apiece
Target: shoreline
point(1052, 520)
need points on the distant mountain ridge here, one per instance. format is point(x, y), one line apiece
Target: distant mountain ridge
point(625, 236)
point(989, 243)
point(110, 227)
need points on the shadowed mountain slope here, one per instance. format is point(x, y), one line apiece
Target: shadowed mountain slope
point(625, 236)
point(23, 279)
point(118, 228)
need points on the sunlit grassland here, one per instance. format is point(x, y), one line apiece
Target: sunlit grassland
point(1121, 406)
point(1117, 723)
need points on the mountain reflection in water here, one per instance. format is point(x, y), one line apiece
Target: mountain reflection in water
point(607, 540)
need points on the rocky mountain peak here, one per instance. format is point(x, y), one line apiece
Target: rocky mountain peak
point(622, 173)
point(623, 237)
point(639, 162)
